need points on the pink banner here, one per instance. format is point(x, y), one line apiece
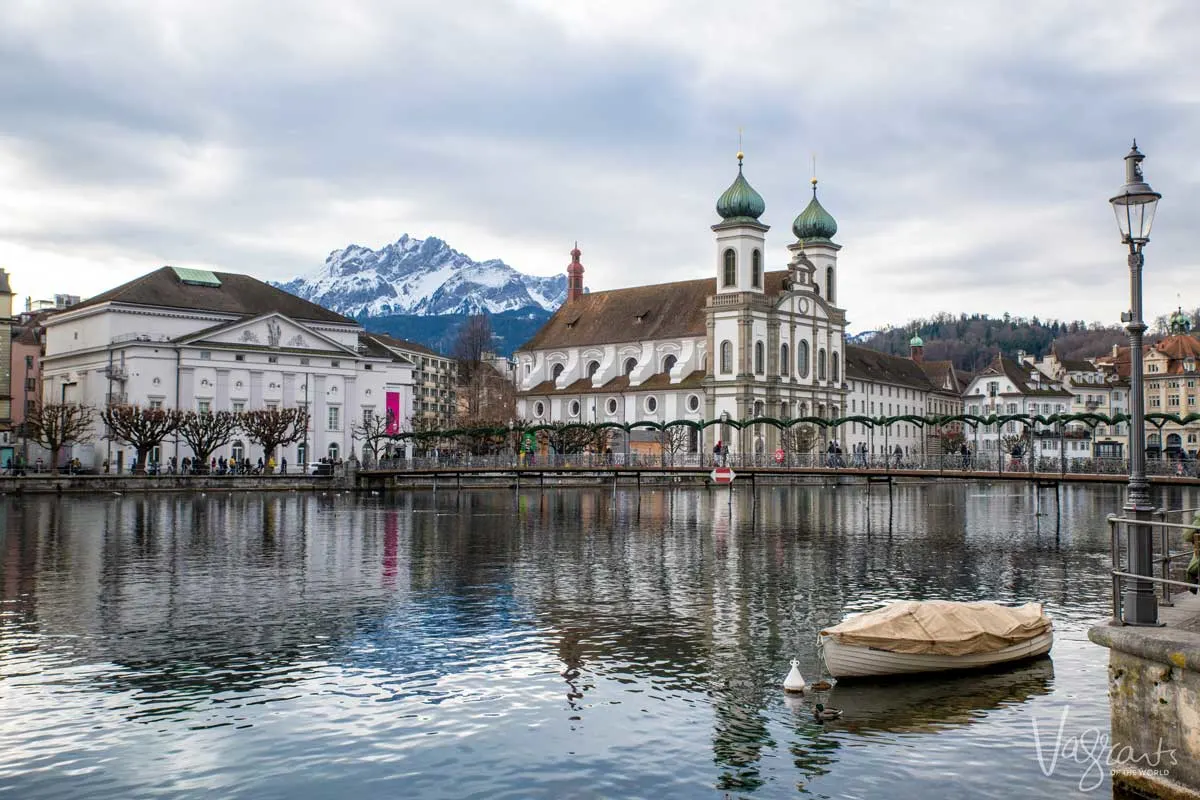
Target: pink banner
point(393, 412)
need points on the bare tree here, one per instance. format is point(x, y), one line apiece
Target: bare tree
point(951, 440)
point(671, 441)
point(56, 425)
point(271, 427)
point(424, 431)
point(564, 440)
point(143, 429)
point(373, 429)
point(474, 341)
point(205, 432)
point(798, 439)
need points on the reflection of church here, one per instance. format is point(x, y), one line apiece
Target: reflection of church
point(745, 342)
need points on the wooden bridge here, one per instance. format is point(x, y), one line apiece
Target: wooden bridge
point(532, 476)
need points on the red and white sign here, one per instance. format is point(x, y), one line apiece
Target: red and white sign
point(779, 456)
point(722, 475)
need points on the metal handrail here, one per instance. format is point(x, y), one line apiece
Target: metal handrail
point(1151, 579)
point(1113, 518)
point(1164, 560)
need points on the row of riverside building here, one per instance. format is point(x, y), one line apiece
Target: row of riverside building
point(750, 342)
point(744, 342)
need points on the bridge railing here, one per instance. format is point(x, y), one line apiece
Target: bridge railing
point(949, 463)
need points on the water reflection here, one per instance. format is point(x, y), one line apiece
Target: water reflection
point(532, 644)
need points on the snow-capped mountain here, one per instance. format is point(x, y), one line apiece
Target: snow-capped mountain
point(423, 277)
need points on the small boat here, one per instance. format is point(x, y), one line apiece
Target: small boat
point(912, 637)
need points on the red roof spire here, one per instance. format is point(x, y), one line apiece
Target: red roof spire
point(575, 275)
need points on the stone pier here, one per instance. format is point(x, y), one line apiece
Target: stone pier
point(1154, 691)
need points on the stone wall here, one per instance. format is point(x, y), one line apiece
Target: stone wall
point(1154, 692)
point(47, 484)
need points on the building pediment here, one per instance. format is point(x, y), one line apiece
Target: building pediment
point(269, 331)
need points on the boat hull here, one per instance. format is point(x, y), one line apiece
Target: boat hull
point(849, 661)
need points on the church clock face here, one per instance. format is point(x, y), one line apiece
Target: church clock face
point(802, 306)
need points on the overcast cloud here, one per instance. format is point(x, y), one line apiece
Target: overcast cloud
point(967, 150)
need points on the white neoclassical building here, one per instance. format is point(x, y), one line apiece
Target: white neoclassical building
point(204, 341)
point(743, 342)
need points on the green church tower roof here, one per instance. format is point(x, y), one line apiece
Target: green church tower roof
point(814, 223)
point(740, 203)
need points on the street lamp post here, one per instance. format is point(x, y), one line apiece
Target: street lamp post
point(1135, 205)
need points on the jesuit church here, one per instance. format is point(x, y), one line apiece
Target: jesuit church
point(743, 342)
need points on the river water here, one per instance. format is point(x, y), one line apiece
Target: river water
point(566, 644)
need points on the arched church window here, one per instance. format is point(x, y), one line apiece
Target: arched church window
point(669, 363)
point(802, 359)
point(784, 408)
point(759, 358)
point(829, 284)
point(821, 364)
point(558, 370)
point(835, 367)
point(726, 357)
point(756, 270)
point(785, 360)
point(592, 368)
point(730, 278)
point(630, 365)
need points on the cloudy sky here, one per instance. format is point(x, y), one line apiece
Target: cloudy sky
point(967, 150)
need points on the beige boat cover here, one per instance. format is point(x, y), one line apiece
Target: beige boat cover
point(942, 627)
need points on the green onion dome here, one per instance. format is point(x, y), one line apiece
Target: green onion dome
point(1180, 323)
point(740, 203)
point(814, 222)
point(915, 341)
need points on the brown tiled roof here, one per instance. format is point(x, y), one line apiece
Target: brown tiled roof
point(865, 364)
point(1076, 365)
point(237, 294)
point(657, 381)
point(1176, 348)
point(639, 313)
point(27, 335)
point(404, 344)
point(1020, 378)
point(370, 346)
point(943, 376)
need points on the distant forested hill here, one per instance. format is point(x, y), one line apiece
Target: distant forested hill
point(510, 328)
point(971, 341)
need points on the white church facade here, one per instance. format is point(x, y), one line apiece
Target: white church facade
point(203, 341)
point(742, 343)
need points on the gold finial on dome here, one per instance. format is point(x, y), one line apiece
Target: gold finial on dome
point(814, 177)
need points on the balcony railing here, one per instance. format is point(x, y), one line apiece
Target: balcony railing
point(140, 337)
point(116, 398)
point(116, 372)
